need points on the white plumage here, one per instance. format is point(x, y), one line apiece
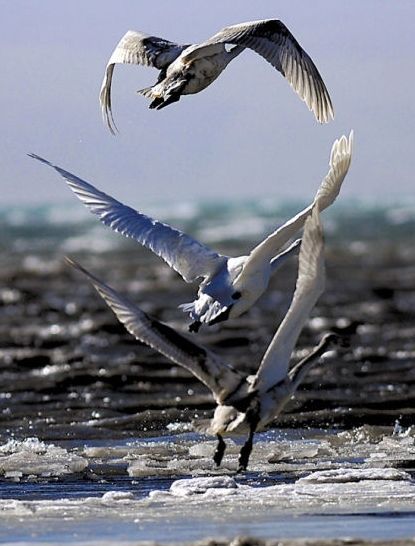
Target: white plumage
point(230, 285)
point(245, 403)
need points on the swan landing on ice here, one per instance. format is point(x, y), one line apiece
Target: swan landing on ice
point(244, 403)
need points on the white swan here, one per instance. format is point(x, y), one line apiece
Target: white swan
point(230, 286)
point(244, 403)
point(187, 69)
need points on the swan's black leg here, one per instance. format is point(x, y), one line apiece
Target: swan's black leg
point(194, 326)
point(247, 447)
point(172, 98)
point(155, 103)
point(245, 452)
point(224, 315)
point(219, 451)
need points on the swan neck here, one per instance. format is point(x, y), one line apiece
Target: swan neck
point(300, 370)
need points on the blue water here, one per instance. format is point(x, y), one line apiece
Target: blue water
point(78, 489)
point(71, 227)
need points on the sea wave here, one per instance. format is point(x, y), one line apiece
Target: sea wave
point(71, 228)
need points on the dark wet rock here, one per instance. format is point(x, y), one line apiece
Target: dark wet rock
point(384, 292)
point(252, 541)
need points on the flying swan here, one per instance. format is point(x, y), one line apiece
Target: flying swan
point(244, 403)
point(187, 69)
point(230, 286)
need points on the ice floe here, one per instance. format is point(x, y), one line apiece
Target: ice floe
point(221, 497)
point(198, 486)
point(33, 458)
point(355, 475)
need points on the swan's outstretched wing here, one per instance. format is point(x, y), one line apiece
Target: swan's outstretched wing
point(310, 285)
point(273, 41)
point(340, 159)
point(220, 378)
point(184, 254)
point(135, 48)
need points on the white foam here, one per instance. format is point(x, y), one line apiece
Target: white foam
point(178, 427)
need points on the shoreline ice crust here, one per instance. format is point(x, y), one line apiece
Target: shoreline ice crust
point(346, 472)
point(221, 497)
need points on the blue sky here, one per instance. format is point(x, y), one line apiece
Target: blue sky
point(246, 135)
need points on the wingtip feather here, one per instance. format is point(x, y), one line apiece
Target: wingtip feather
point(342, 148)
point(39, 158)
point(339, 163)
point(105, 99)
point(78, 267)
